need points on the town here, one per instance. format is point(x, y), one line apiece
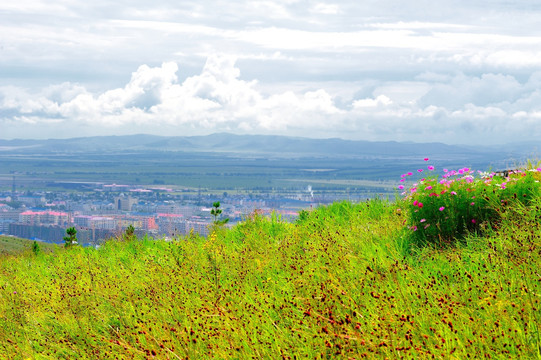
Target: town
point(106, 210)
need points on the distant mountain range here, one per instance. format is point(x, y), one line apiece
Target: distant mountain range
point(267, 146)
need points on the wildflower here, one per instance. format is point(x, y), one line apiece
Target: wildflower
point(415, 202)
point(414, 228)
point(402, 180)
point(426, 159)
point(445, 170)
point(420, 204)
point(430, 167)
point(429, 187)
point(538, 169)
point(442, 208)
point(472, 203)
point(426, 226)
point(422, 220)
point(401, 187)
point(409, 174)
point(420, 170)
point(473, 221)
point(453, 192)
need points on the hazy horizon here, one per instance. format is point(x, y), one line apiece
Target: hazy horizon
point(460, 73)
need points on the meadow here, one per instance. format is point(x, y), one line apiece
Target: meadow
point(349, 280)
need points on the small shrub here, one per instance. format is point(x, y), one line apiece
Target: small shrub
point(443, 209)
point(71, 238)
point(35, 248)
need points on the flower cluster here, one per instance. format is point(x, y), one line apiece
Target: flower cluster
point(444, 208)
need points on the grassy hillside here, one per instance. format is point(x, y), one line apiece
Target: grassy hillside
point(13, 245)
point(346, 281)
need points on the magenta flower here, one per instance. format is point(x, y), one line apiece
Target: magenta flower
point(422, 220)
point(420, 204)
point(430, 167)
point(402, 180)
point(414, 228)
point(401, 187)
point(420, 170)
point(472, 204)
point(409, 174)
point(442, 208)
point(426, 159)
point(445, 170)
point(453, 192)
point(473, 221)
point(429, 187)
point(415, 202)
point(539, 169)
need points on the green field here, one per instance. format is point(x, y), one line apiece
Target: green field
point(13, 245)
point(344, 281)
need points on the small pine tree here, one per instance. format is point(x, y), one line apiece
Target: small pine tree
point(71, 238)
point(216, 212)
point(129, 234)
point(35, 248)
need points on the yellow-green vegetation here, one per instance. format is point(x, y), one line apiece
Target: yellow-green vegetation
point(12, 245)
point(344, 281)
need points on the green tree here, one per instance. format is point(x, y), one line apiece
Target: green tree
point(129, 233)
point(71, 238)
point(35, 248)
point(216, 212)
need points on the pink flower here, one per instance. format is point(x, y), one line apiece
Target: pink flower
point(414, 228)
point(415, 202)
point(453, 192)
point(472, 204)
point(420, 170)
point(538, 169)
point(430, 167)
point(426, 159)
point(422, 220)
point(401, 187)
point(442, 208)
point(420, 205)
point(445, 170)
point(402, 180)
point(428, 187)
point(409, 174)
point(473, 221)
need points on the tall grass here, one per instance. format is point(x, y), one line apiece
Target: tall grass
point(337, 283)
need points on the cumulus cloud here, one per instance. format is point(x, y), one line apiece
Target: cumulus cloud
point(453, 109)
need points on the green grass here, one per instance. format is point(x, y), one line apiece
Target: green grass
point(340, 283)
point(10, 245)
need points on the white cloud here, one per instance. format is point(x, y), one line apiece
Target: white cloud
point(461, 108)
point(348, 68)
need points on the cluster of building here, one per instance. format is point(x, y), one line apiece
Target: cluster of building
point(106, 214)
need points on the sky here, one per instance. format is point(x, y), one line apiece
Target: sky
point(457, 72)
